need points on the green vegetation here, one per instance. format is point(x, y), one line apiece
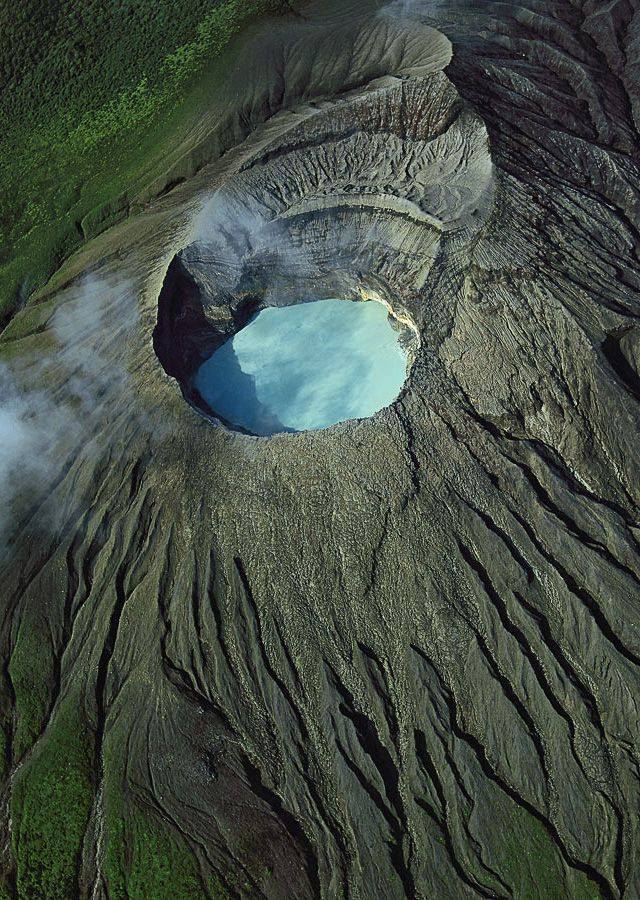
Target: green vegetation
point(4, 749)
point(93, 92)
point(531, 864)
point(27, 667)
point(142, 858)
point(50, 806)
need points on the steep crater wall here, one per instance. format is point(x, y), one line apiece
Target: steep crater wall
point(353, 202)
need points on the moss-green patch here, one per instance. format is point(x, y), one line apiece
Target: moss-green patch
point(94, 94)
point(4, 754)
point(144, 860)
point(531, 864)
point(50, 805)
point(215, 890)
point(143, 856)
point(30, 660)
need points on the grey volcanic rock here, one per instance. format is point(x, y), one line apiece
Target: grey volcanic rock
point(400, 656)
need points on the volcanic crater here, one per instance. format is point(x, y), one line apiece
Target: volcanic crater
point(399, 656)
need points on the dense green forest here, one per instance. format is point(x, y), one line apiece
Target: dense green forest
point(92, 90)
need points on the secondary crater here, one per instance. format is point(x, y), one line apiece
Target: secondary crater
point(305, 366)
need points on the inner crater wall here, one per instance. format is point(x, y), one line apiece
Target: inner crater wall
point(352, 200)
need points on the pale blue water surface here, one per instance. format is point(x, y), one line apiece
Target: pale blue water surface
point(306, 366)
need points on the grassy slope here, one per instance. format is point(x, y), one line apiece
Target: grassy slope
point(95, 92)
point(50, 803)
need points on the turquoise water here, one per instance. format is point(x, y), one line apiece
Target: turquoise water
point(304, 367)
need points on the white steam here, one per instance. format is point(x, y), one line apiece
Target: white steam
point(48, 404)
point(410, 9)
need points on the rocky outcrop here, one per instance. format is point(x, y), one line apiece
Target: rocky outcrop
point(397, 657)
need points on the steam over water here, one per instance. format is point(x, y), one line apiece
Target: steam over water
point(305, 367)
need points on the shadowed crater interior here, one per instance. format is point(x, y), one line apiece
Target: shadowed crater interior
point(253, 348)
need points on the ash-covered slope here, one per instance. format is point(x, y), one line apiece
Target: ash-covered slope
point(399, 657)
